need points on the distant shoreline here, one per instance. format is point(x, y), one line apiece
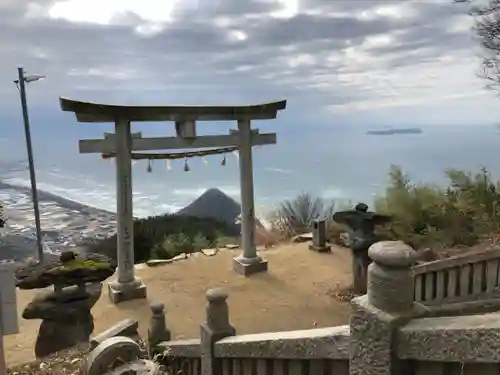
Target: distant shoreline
point(395, 131)
point(16, 246)
point(63, 202)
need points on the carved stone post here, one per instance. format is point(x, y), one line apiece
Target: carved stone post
point(127, 286)
point(388, 305)
point(319, 237)
point(216, 327)
point(158, 331)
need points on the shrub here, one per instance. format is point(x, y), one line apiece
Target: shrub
point(179, 243)
point(459, 214)
point(296, 216)
point(462, 213)
point(267, 238)
point(222, 241)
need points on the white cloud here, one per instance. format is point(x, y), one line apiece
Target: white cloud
point(448, 78)
point(334, 193)
point(108, 73)
point(395, 11)
point(304, 59)
point(380, 40)
point(232, 191)
point(149, 29)
point(105, 12)
point(393, 102)
point(152, 16)
point(278, 170)
point(288, 9)
point(460, 24)
point(237, 36)
point(350, 55)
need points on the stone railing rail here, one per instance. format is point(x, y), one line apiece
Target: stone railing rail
point(389, 334)
point(466, 281)
point(461, 345)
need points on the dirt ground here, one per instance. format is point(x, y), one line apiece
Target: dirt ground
point(296, 293)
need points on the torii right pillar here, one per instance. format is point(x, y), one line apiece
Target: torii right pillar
point(248, 262)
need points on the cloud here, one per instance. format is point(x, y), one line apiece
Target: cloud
point(278, 170)
point(327, 57)
point(232, 191)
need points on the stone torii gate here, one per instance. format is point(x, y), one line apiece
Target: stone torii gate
point(122, 143)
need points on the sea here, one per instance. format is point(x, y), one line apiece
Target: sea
point(344, 164)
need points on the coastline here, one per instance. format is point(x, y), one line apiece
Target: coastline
point(62, 201)
point(64, 223)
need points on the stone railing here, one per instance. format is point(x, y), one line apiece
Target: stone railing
point(294, 352)
point(389, 334)
point(467, 282)
point(456, 346)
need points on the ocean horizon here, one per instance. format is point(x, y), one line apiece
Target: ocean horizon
point(345, 166)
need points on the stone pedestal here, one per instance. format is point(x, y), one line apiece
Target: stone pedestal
point(360, 263)
point(121, 292)
point(66, 318)
point(249, 266)
point(54, 336)
point(388, 305)
point(320, 249)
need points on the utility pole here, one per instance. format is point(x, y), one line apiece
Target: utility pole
point(21, 84)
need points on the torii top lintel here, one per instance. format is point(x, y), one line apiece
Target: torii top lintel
point(94, 112)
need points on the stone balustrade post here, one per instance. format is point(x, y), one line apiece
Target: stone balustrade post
point(158, 331)
point(216, 327)
point(388, 305)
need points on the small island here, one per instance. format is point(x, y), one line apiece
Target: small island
point(395, 131)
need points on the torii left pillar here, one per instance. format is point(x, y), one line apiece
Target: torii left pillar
point(126, 286)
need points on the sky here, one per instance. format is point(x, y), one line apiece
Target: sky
point(342, 65)
point(342, 61)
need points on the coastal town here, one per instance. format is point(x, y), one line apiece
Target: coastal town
point(64, 223)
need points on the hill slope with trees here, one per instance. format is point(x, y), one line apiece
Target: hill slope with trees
point(209, 221)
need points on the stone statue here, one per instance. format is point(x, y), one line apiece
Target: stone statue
point(362, 223)
point(65, 311)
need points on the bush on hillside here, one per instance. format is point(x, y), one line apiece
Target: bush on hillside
point(424, 215)
point(459, 214)
point(296, 216)
point(168, 231)
point(179, 243)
